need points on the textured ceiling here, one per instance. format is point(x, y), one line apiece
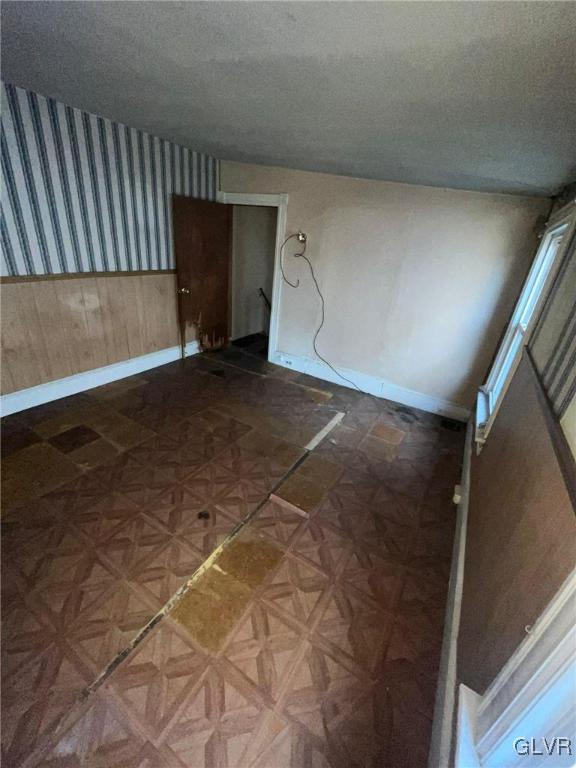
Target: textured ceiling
point(479, 95)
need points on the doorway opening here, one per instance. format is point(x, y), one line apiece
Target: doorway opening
point(252, 276)
point(228, 272)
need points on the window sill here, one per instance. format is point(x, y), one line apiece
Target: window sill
point(482, 417)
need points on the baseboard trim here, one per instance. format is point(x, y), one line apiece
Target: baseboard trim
point(445, 704)
point(373, 386)
point(465, 754)
point(80, 382)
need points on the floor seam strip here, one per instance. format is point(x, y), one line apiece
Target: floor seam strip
point(179, 594)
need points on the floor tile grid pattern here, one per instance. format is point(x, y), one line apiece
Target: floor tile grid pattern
point(281, 704)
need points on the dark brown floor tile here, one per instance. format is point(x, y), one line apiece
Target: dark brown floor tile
point(142, 485)
point(103, 734)
point(321, 692)
point(387, 433)
point(298, 591)
point(314, 642)
point(15, 437)
point(322, 546)
point(378, 449)
point(32, 472)
point(279, 451)
point(355, 487)
point(77, 494)
point(219, 425)
point(125, 433)
point(370, 574)
point(320, 470)
point(338, 514)
point(301, 492)
point(205, 541)
point(37, 698)
point(260, 471)
point(166, 570)
point(179, 508)
point(395, 541)
point(73, 438)
point(133, 544)
point(154, 683)
point(220, 722)
point(176, 461)
point(26, 634)
point(264, 648)
point(355, 628)
point(279, 524)
point(93, 454)
point(88, 413)
point(109, 625)
point(363, 422)
point(396, 506)
point(100, 517)
point(422, 604)
point(241, 499)
point(69, 580)
point(108, 391)
point(376, 734)
point(211, 483)
point(422, 651)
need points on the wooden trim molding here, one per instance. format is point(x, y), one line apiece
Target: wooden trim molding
point(279, 201)
point(83, 275)
point(531, 699)
point(14, 402)
point(446, 690)
point(52, 329)
point(562, 450)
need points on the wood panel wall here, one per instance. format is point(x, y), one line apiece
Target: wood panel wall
point(52, 328)
point(521, 542)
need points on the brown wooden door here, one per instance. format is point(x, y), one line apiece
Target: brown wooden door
point(202, 245)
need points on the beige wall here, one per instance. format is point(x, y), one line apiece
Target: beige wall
point(57, 328)
point(418, 281)
point(521, 532)
point(252, 267)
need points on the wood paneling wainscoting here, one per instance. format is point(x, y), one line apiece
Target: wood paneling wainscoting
point(58, 327)
point(521, 542)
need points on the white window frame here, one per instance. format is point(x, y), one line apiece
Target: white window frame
point(560, 230)
point(532, 698)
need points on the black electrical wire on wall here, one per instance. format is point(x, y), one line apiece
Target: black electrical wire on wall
point(302, 255)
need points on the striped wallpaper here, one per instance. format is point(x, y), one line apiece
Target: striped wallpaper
point(81, 193)
point(553, 343)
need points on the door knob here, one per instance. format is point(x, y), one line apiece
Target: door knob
point(183, 290)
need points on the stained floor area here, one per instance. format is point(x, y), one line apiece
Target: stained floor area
point(255, 344)
point(159, 610)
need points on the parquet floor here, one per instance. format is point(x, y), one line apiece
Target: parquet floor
point(316, 644)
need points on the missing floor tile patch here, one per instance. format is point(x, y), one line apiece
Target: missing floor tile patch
point(299, 494)
point(211, 607)
point(218, 597)
point(317, 439)
point(320, 470)
point(387, 433)
point(259, 560)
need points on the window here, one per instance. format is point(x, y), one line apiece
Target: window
point(554, 243)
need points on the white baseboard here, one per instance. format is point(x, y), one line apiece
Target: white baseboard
point(445, 705)
point(71, 385)
point(465, 755)
point(373, 386)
